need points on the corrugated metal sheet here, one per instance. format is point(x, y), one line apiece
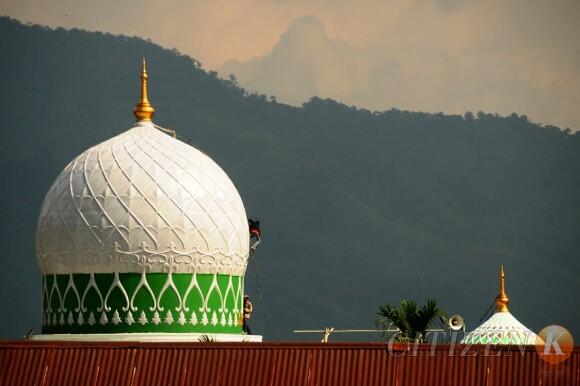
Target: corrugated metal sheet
point(268, 364)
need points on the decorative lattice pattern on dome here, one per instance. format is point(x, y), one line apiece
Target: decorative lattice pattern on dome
point(142, 201)
point(503, 329)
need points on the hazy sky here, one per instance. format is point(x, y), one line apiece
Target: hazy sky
point(442, 55)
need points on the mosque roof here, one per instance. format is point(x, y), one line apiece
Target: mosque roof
point(142, 237)
point(502, 328)
point(142, 199)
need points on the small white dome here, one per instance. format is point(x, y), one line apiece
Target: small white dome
point(142, 201)
point(503, 329)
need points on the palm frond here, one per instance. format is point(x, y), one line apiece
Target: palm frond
point(411, 320)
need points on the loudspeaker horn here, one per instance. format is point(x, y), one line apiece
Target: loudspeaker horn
point(456, 322)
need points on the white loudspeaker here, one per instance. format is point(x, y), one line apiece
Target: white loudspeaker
point(456, 322)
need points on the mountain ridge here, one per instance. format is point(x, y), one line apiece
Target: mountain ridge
point(358, 207)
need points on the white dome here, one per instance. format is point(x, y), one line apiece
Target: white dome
point(501, 328)
point(142, 201)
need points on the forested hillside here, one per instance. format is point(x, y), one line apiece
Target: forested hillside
point(358, 207)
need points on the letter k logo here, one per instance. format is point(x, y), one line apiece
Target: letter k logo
point(554, 344)
point(551, 342)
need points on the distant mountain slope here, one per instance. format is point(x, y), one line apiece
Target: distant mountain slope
point(358, 207)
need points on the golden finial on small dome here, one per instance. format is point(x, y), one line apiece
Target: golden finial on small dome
point(144, 111)
point(502, 300)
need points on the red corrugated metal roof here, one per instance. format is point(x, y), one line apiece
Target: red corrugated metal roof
point(255, 364)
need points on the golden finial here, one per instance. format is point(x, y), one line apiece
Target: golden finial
point(502, 300)
point(144, 111)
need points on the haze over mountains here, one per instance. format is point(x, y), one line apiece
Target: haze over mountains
point(358, 208)
point(484, 62)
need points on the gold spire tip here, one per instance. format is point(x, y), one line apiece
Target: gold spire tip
point(502, 300)
point(144, 111)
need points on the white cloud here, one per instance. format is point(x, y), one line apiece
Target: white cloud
point(441, 62)
point(306, 63)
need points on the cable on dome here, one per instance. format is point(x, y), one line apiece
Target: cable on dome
point(255, 240)
point(259, 288)
point(171, 132)
point(488, 312)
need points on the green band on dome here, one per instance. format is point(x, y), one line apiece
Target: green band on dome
point(148, 302)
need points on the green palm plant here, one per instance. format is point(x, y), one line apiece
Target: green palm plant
point(411, 321)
